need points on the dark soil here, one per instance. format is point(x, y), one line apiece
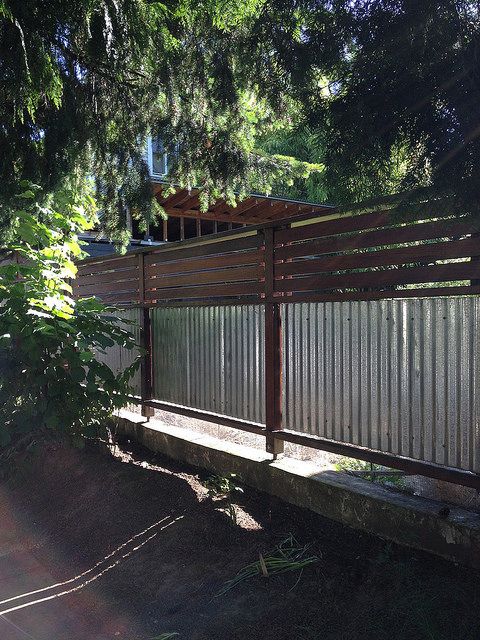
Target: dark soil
point(67, 512)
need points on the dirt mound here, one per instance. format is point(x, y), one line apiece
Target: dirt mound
point(97, 547)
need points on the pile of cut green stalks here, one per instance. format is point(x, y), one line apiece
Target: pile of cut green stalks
point(286, 556)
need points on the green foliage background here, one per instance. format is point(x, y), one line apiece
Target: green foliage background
point(50, 374)
point(324, 100)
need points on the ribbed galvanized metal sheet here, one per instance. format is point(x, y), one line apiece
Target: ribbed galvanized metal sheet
point(400, 376)
point(119, 358)
point(210, 358)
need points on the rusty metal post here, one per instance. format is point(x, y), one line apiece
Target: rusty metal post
point(145, 343)
point(273, 353)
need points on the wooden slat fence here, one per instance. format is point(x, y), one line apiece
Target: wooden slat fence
point(332, 258)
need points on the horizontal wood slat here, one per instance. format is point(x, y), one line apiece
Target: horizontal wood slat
point(110, 276)
point(340, 225)
point(119, 298)
point(207, 249)
point(376, 238)
point(423, 292)
point(108, 264)
point(236, 259)
point(377, 279)
point(235, 274)
point(107, 287)
point(387, 257)
point(126, 297)
point(212, 291)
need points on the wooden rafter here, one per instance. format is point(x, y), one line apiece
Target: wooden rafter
point(252, 210)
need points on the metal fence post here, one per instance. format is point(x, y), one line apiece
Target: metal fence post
point(273, 353)
point(145, 343)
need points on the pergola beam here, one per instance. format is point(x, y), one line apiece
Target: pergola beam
point(193, 213)
point(252, 210)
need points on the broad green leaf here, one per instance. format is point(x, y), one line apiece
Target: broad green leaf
point(77, 374)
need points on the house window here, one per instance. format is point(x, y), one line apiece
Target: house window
point(158, 158)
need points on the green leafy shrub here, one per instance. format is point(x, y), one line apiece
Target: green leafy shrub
point(50, 377)
point(222, 488)
point(372, 472)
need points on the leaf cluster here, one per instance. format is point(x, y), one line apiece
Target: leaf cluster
point(382, 94)
point(399, 110)
point(51, 376)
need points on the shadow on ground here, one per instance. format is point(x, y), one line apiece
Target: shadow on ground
point(129, 547)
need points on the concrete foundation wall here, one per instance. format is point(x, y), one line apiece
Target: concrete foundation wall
point(408, 520)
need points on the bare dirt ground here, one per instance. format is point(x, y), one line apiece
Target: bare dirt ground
point(96, 547)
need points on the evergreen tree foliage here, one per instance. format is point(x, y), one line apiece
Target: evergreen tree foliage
point(391, 89)
point(301, 144)
point(400, 109)
point(382, 94)
point(83, 82)
point(75, 84)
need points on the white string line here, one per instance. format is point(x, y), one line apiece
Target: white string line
point(95, 566)
point(93, 578)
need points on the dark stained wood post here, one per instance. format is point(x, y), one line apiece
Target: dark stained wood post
point(182, 228)
point(273, 353)
point(165, 230)
point(146, 376)
point(475, 281)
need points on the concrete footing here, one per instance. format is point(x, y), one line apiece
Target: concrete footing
point(408, 520)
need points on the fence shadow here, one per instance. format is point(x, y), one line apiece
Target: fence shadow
point(149, 552)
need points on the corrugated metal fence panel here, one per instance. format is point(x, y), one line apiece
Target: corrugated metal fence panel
point(119, 358)
point(400, 376)
point(210, 358)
